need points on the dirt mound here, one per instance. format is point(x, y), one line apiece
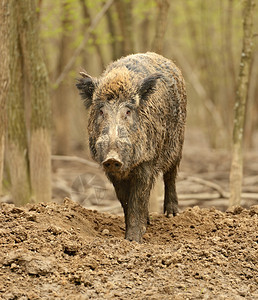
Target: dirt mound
point(51, 251)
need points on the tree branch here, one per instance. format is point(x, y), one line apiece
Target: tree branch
point(78, 50)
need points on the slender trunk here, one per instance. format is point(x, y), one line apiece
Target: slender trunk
point(115, 51)
point(193, 32)
point(4, 78)
point(236, 172)
point(80, 48)
point(61, 107)
point(2, 141)
point(125, 17)
point(17, 154)
point(229, 42)
point(208, 58)
point(40, 122)
point(230, 78)
point(227, 84)
point(161, 25)
point(144, 33)
point(40, 164)
point(87, 22)
point(250, 122)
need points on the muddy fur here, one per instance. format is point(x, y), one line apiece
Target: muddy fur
point(138, 109)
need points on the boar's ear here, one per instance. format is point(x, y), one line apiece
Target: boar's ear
point(148, 85)
point(86, 85)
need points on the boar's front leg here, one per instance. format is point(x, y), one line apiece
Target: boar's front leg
point(170, 200)
point(122, 189)
point(137, 210)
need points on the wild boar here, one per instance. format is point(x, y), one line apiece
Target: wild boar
point(136, 130)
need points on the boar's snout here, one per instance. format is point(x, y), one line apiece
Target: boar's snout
point(112, 163)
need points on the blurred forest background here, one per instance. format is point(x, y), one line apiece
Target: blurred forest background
point(204, 38)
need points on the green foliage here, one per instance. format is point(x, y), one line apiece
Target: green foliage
point(143, 8)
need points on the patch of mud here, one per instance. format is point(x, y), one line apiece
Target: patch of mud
point(64, 251)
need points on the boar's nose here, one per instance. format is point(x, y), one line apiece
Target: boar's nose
point(112, 165)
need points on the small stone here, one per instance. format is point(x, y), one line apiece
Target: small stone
point(149, 270)
point(70, 249)
point(253, 210)
point(13, 266)
point(31, 217)
point(17, 210)
point(105, 232)
point(235, 210)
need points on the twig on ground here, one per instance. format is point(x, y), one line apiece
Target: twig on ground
point(215, 186)
point(199, 196)
point(209, 196)
point(76, 159)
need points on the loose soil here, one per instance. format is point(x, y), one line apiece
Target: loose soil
point(64, 251)
point(61, 250)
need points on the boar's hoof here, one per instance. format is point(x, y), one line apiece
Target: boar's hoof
point(171, 210)
point(135, 234)
point(112, 165)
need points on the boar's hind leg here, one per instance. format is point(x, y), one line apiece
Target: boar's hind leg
point(170, 200)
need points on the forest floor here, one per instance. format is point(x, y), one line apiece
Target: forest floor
point(61, 250)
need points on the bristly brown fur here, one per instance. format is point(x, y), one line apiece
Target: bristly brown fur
point(114, 84)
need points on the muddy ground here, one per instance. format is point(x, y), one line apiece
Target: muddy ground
point(64, 251)
point(61, 250)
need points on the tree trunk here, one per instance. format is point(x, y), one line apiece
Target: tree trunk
point(17, 154)
point(2, 142)
point(125, 17)
point(4, 78)
point(157, 46)
point(229, 79)
point(40, 122)
point(145, 33)
point(229, 44)
point(114, 44)
point(161, 25)
point(87, 22)
point(236, 172)
point(251, 112)
point(61, 107)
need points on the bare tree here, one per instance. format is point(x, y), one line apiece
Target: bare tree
point(144, 30)
point(87, 21)
point(80, 48)
point(4, 77)
point(40, 121)
point(125, 17)
point(114, 43)
point(229, 44)
point(157, 46)
point(161, 25)
point(17, 150)
point(251, 112)
point(236, 173)
point(61, 103)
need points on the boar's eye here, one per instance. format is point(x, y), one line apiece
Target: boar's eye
point(101, 112)
point(128, 112)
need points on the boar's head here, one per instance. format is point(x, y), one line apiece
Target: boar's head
point(117, 102)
